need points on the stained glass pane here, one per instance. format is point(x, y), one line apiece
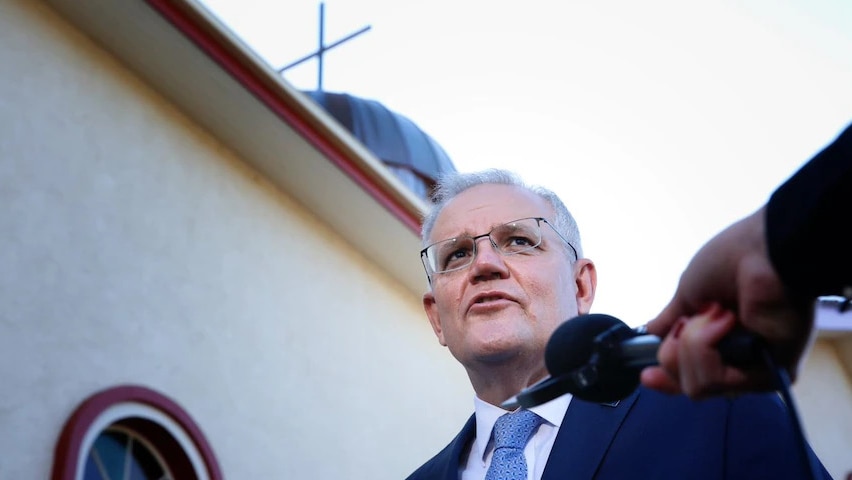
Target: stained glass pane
point(91, 472)
point(109, 454)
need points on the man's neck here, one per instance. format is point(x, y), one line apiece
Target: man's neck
point(497, 384)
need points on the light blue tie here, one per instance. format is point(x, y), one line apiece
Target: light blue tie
point(511, 432)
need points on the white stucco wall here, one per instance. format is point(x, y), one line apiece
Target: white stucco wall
point(136, 249)
point(824, 398)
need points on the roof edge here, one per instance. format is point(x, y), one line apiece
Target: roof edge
point(294, 108)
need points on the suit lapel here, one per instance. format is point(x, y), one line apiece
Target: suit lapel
point(584, 437)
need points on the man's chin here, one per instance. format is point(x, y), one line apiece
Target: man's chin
point(500, 351)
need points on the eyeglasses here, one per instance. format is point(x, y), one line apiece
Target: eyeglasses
point(517, 236)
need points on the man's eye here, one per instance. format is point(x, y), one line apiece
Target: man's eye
point(456, 257)
point(517, 243)
point(521, 242)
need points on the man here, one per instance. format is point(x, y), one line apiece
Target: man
point(506, 267)
point(768, 268)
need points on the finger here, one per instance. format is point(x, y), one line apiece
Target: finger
point(666, 377)
point(699, 361)
point(657, 378)
point(703, 372)
point(663, 323)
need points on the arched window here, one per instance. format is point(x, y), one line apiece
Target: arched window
point(132, 433)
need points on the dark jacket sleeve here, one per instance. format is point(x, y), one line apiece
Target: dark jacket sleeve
point(809, 223)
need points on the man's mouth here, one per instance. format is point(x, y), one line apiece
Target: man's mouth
point(489, 299)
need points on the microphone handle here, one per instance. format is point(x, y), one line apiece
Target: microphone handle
point(639, 352)
point(741, 349)
point(738, 348)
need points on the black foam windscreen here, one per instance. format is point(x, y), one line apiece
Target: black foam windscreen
point(571, 345)
point(570, 355)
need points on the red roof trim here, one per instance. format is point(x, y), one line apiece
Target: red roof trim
point(217, 48)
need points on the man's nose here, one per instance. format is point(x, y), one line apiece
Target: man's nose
point(488, 261)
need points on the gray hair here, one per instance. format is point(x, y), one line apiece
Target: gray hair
point(451, 184)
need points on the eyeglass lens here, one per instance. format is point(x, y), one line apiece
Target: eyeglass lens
point(508, 239)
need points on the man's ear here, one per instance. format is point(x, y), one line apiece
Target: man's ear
point(434, 317)
point(586, 278)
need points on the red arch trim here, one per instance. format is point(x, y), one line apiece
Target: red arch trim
point(70, 441)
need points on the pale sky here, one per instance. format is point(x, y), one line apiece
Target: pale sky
point(657, 122)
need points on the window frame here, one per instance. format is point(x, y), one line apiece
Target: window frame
point(150, 415)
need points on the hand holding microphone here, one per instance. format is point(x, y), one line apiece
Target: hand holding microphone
point(733, 269)
point(693, 364)
point(597, 357)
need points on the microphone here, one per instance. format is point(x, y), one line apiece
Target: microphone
point(597, 357)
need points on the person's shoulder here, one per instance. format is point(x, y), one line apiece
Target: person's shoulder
point(762, 426)
point(751, 433)
point(767, 405)
point(765, 411)
point(748, 399)
point(764, 408)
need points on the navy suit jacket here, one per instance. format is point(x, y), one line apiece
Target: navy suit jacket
point(650, 435)
point(806, 223)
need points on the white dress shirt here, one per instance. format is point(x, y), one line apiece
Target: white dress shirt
point(475, 464)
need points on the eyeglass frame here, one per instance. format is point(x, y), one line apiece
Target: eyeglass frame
point(424, 256)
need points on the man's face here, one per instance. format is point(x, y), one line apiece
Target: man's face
point(500, 307)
